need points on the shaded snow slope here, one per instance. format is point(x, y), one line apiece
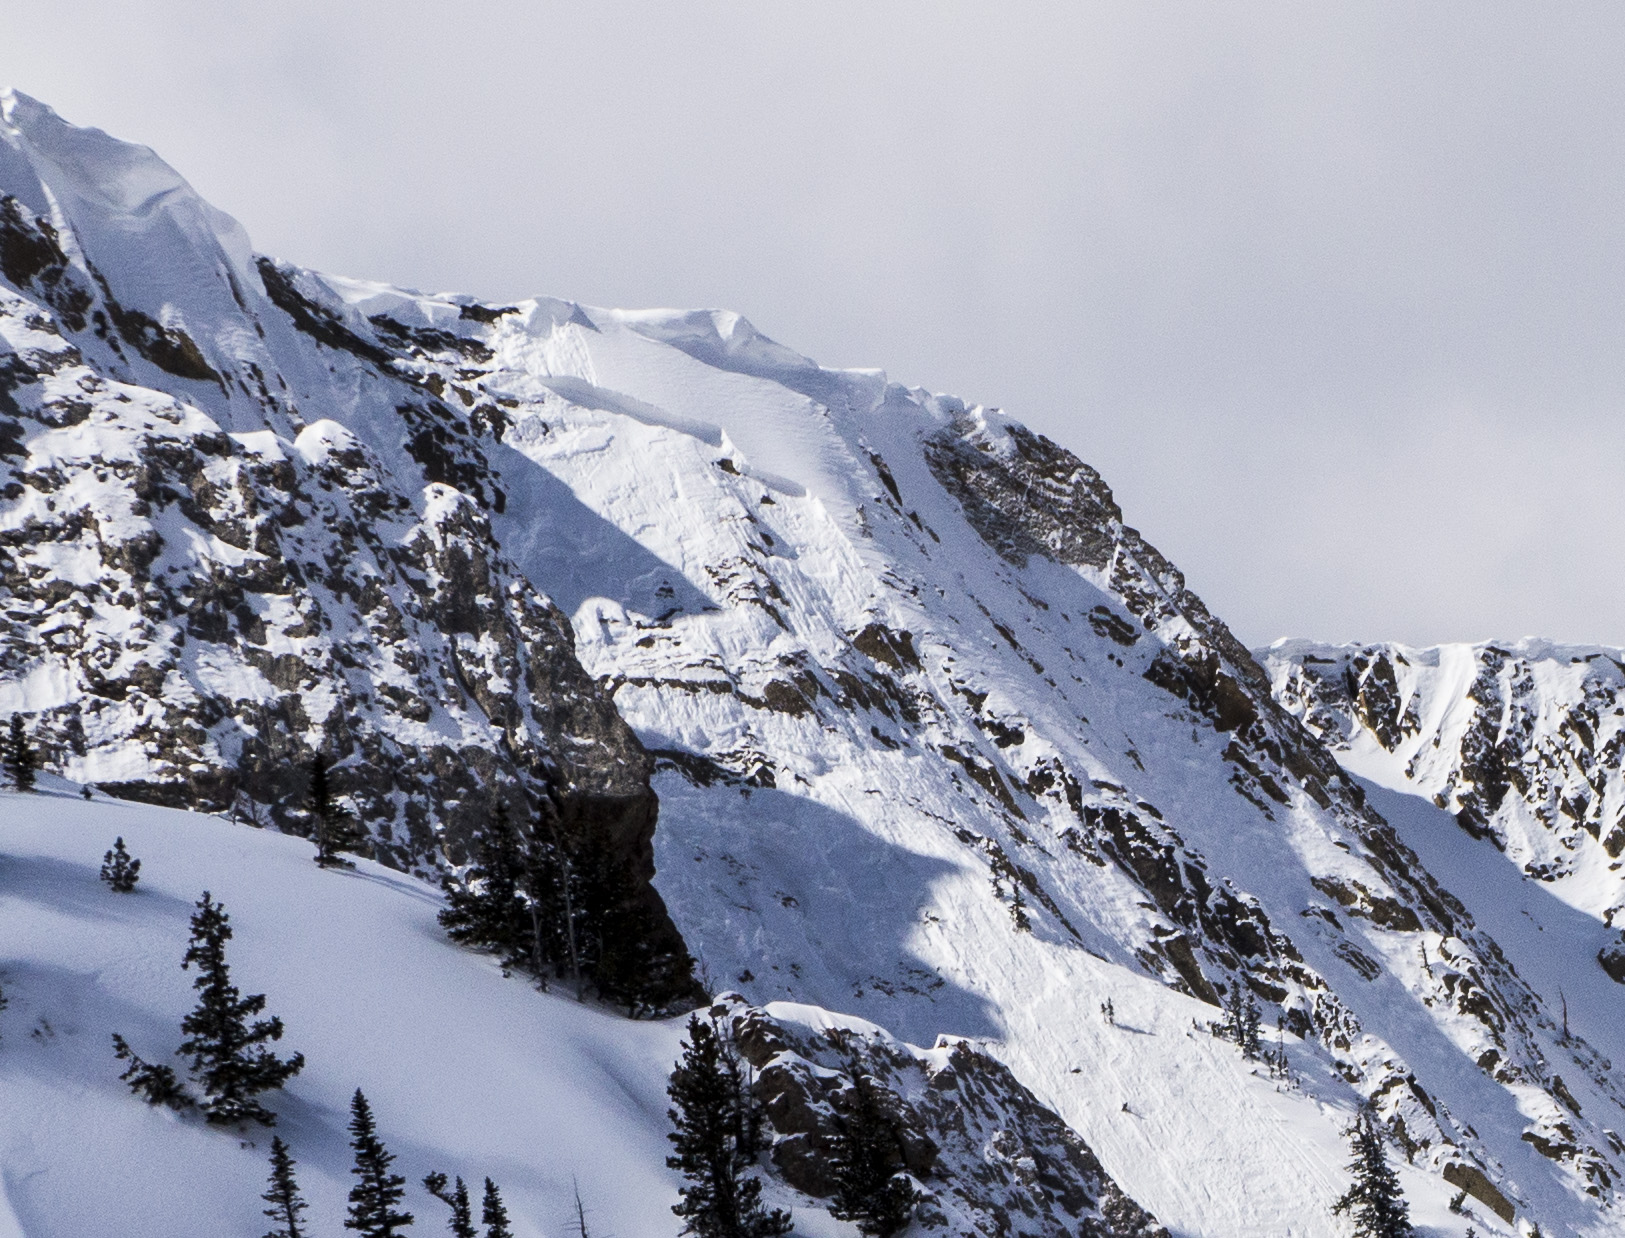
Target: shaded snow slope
point(939, 739)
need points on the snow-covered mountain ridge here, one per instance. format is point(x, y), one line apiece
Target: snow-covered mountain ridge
point(1521, 740)
point(937, 739)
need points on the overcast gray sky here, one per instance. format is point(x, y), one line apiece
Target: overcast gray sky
point(1333, 295)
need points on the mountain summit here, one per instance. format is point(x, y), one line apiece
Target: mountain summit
point(872, 696)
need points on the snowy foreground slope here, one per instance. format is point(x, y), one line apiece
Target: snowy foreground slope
point(468, 1073)
point(937, 739)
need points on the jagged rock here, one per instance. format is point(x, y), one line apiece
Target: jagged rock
point(988, 1156)
point(1523, 743)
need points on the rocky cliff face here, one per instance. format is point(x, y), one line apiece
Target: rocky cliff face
point(937, 739)
point(1521, 741)
point(986, 1156)
point(194, 609)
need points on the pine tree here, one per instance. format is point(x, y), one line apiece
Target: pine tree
point(1374, 1200)
point(1251, 1016)
point(865, 1161)
point(157, 1085)
point(119, 870)
point(553, 892)
point(1242, 1018)
point(229, 1058)
point(374, 1197)
point(286, 1202)
point(716, 1140)
point(336, 829)
point(461, 1223)
point(626, 967)
point(485, 909)
point(620, 936)
point(494, 1213)
point(19, 758)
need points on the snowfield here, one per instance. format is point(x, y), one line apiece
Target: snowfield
point(467, 1072)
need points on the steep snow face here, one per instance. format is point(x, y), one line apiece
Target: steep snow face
point(467, 1073)
point(940, 741)
point(1521, 741)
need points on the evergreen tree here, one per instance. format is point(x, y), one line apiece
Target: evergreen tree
point(286, 1202)
point(462, 1214)
point(1251, 1016)
point(553, 892)
point(866, 1163)
point(157, 1085)
point(716, 1139)
point(229, 1058)
point(119, 870)
point(620, 935)
point(485, 909)
point(1242, 1018)
point(19, 758)
point(626, 967)
point(1375, 1200)
point(336, 829)
point(374, 1197)
point(552, 903)
point(494, 1213)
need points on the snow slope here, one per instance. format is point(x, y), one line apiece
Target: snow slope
point(939, 740)
point(466, 1072)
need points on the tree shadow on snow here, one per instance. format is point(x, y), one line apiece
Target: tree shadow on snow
point(61, 1024)
point(77, 889)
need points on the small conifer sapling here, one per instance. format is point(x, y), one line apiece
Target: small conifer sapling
point(230, 1060)
point(287, 1205)
point(19, 758)
point(461, 1222)
point(377, 1193)
point(119, 869)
